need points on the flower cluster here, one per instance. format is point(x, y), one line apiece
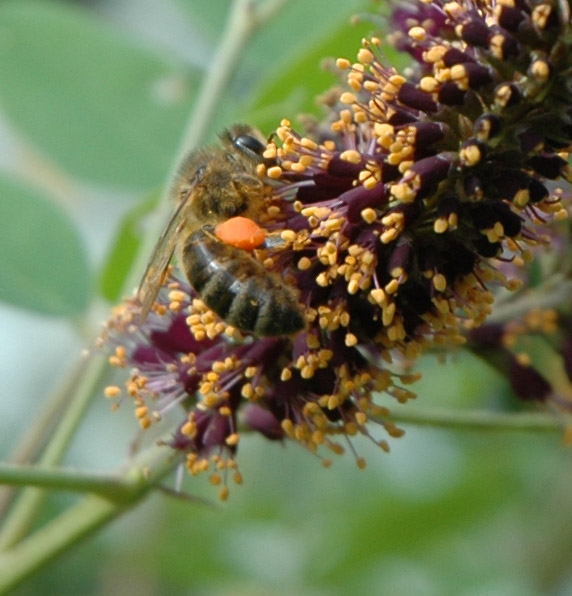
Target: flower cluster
point(393, 223)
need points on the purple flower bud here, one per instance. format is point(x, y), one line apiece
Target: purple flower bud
point(412, 96)
point(475, 31)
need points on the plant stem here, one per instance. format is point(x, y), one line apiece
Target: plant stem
point(84, 519)
point(58, 478)
point(479, 420)
point(36, 436)
point(25, 509)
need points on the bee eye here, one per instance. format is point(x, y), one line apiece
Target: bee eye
point(249, 145)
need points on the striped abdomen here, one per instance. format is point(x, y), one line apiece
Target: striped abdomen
point(238, 288)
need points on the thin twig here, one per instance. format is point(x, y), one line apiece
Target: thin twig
point(479, 420)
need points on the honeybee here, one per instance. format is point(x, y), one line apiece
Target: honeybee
point(211, 186)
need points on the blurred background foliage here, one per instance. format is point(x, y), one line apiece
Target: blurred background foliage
point(94, 97)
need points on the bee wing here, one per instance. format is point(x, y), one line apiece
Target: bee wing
point(156, 269)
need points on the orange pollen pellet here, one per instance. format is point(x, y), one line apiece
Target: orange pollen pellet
point(241, 232)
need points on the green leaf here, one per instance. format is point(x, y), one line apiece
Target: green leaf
point(43, 263)
point(105, 108)
point(124, 249)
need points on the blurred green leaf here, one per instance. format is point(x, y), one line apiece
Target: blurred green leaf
point(104, 107)
point(209, 23)
point(124, 249)
point(43, 263)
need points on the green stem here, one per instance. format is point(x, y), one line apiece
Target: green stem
point(479, 420)
point(36, 436)
point(84, 519)
point(69, 479)
point(24, 510)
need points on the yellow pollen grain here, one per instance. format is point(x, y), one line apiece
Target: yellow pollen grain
point(307, 372)
point(274, 172)
point(470, 155)
point(428, 84)
point(298, 167)
point(247, 391)
point(403, 192)
point(417, 33)
point(388, 314)
point(434, 54)
point(232, 440)
point(370, 183)
point(346, 116)
point(205, 388)
point(397, 80)
point(318, 212)
point(270, 152)
point(365, 56)
point(354, 82)
point(378, 296)
point(389, 236)
point(141, 411)
point(285, 375)
point(353, 287)
point(308, 144)
point(193, 320)
point(177, 296)
point(312, 342)
point(350, 340)
point(304, 264)
point(343, 63)
point(112, 391)
point(145, 423)
point(440, 226)
point(351, 156)
point(189, 429)
point(540, 70)
point(218, 367)
point(333, 402)
point(541, 14)
point(348, 98)
point(288, 235)
point(503, 95)
point(521, 197)
point(439, 282)
point(215, 479)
